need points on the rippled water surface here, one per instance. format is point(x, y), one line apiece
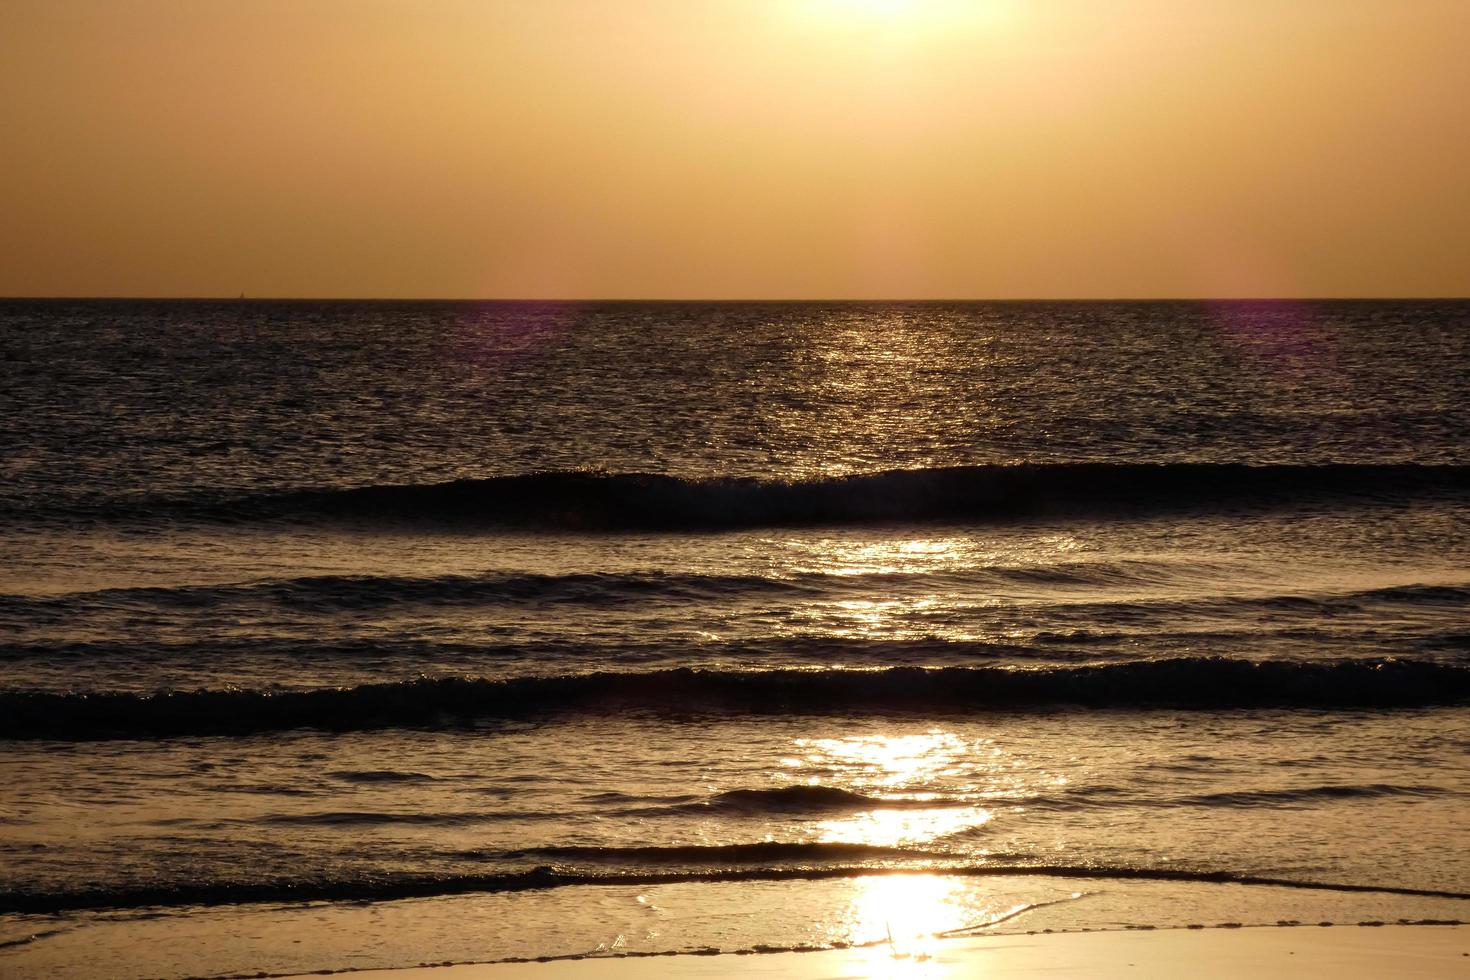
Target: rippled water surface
point(623, 624)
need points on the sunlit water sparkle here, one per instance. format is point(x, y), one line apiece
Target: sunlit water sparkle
point(524, 720)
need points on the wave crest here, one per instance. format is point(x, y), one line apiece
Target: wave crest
point(1185, 682)
point(585, 500)
point(392, 887)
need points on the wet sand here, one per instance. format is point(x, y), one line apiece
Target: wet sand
point(1336, 953)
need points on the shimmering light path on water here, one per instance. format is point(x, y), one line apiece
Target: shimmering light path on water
point(665, 626)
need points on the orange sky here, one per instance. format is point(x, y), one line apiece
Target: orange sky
point(735, 148)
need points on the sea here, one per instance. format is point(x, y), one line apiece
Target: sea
point(343, 635)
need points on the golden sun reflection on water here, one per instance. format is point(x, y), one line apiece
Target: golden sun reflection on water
point(891, 828)
point(918, 588)
point(878, 765)
point(909, 910)
point(887, 557)
point(886, 760)
point(923, 786)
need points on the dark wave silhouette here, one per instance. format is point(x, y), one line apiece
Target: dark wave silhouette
point(382, 888)
point(331, 592)
point(368, 818)
point(1185, 682)
point(809, 799)
point(588, 500)
point(354, 592)
point(1311, 795)
point(381, 776)
point(407, 650)
point(802, 800)
point(803, 853)
point(1113, 797)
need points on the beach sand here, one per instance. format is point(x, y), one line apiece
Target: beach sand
point(1338, 953)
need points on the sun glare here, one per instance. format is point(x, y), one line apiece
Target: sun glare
point(888, 760)
point(885, 764)
point(895, 13)
point(881, 7)
point(909, 909)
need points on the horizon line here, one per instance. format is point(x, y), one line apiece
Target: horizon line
point(726, 299)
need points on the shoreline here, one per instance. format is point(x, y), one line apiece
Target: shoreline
point(703, 929)
point(1329, 951)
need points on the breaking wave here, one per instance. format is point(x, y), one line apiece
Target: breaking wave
point(802, 853)
point(1184, 682)
point(382, 888)
point(365, 592)
point(589, 500)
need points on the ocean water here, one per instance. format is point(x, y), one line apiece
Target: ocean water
point(355, 634)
